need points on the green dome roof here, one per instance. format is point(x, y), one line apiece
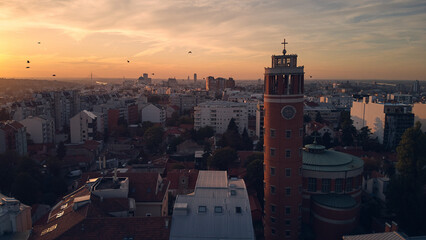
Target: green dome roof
point(317, 158)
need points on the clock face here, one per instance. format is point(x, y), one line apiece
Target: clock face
point(288, 112)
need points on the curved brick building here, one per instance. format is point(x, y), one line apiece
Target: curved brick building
point(283, 140)
point(331, 191)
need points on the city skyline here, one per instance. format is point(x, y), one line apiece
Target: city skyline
point(335, 40)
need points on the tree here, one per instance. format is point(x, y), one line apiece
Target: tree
point(232, 126)
point(406, 195)
point(254, 177)
point(411, 152)
point(153, 138)
point(61, 151)
point(203, 133)
point(253, 157)
point(247, 143)
point(348, 130)
point(222, 158)
point(318, 118)
point(306, 118)
point(4, 114)
point(326, 140)
point(26, 189)
point(259, 145)
point(231, 138)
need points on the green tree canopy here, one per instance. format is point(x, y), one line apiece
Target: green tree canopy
point(222, 158)
point(153, 138)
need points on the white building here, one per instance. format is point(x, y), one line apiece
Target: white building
point(387, 121)
point(153, 113)
point(41, 129)
point(339, 101)
point(419, 110)
point(217, 115)
point(83, 126)
point(14, 216)
point(219, 208)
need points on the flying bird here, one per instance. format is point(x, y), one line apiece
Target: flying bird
point(54, 75)
point(38, 42)
point(189, 52)
point(28, 67)
point(152, 73)
point(310, 76)
point(28, 61)
point(128, 61)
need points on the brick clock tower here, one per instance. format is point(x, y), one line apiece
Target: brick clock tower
point(283, 140)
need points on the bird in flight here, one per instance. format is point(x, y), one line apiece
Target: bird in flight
point(189, 52)
point(128, 61)
point(54, 75)
point(152, 73)
point(28, 67)
point(28, 61)
point(310, 76)
point(38, 42)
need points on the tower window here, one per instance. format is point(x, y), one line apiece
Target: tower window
point(287, 210)
point(288, 133)
point(288, 172)
point(273, 231)
point(273, 132)
point(272, 171)
point(273, 208)
point(288, 153)
point(238, 209)
point(273, 191)
point(288, 191)
point(287, 222)
point(287, 233)
point(272, 152)
point(273, 220)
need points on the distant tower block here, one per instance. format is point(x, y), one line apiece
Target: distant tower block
point(283, 139)
point(195, 78)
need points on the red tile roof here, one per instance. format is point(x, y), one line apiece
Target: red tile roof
point(175, 175)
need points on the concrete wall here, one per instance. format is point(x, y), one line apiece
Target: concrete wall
point(371, 115)
point(419, 111)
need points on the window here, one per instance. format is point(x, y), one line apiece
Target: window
point(273, 189)
point(233, 192)
point(325, 185)
point(288, 172)
point(272, 152)
point(273, 220)
point(218, 209)
point(287, 222)
point(273, 208)
point(338, 187)
point(288, 133)
point(287, 153)
point(273, 231)
point(312, 184)
point(288, 191)
point(348, 184)
point(287, 233)
point(287, 210)
point(238, 209)
point(272, 171)
point(273, 132)
point(300, 171)
point(202, 209)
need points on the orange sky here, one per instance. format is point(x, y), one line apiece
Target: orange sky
point(334, 40)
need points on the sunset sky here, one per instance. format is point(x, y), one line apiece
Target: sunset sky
point(356, 39)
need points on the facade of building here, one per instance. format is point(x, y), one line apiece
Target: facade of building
point(327, 111)
point(259, 120)
point(14, 216)
point(419, 111)
point(83, 126)
point(13, 137)
point(283, 139)
point(153, 113)
point(218, 208)
point(217, 115)
point(41, 129)
point(219, 84)
point(331, 191)
point(186, 102)
point(387, 121)
point(144, 79)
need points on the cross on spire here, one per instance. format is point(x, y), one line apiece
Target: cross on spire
point(284, 43)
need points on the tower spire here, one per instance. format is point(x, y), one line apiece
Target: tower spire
point(284, 43)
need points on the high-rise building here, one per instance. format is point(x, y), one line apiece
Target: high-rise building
point(283, 139)
point(195, 78)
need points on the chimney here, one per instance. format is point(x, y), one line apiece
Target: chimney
point(394, 227)
point(388, 227)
